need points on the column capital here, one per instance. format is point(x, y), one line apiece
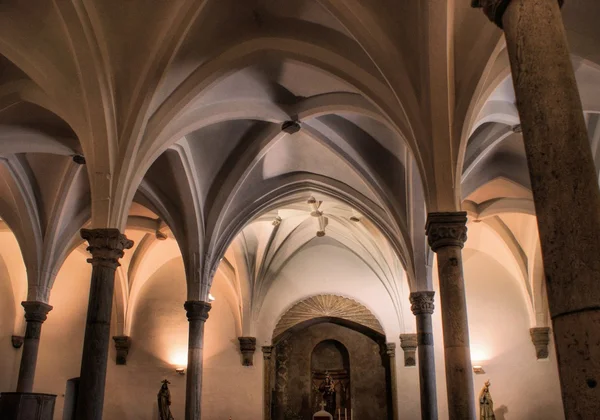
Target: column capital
point(422, 302)
point(494, 9)
point(36, 311)
point(540, 336)
point(390, 349)
point(247, 348)
point(267, 352)
point(408, 342)
point(106, 246)
point(122, 345)
point(446, 229)
point(197, 310)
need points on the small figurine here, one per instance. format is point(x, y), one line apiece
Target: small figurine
point(164, 401)
point(486, 404)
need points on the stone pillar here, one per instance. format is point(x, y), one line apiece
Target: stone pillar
point(197, 314)
point(35, 315)
point(408, 342)
point(422, 307)
point(247, 348)
point(540, 337)
point(106, 247)
point(565, 189)
point(122, 345)
point(447, 233)
point(391, 352)
point(267, 353)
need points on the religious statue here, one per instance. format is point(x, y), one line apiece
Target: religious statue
point(164, 401)
point(327, 390)
point(486, 404)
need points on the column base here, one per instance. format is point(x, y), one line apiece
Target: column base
point(27, 406)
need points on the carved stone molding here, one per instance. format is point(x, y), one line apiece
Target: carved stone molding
point(422, 302)
point(247, 348)
point(494, 9)
point(35, 315)
point(390, 349)
point(17, 341)
point(327, 306)
point(122, 345)
point(408, 342)
point(267, 352)
point(106, 246)
point(540, 337)
point(446, 229)
point(197, 310)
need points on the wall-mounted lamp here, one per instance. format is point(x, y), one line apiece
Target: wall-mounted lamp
point(478, 370)
point(211, 298)
point(180, 370)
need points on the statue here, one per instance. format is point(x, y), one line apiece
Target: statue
point(164, 401)
point(327, 389)
point(486, 404)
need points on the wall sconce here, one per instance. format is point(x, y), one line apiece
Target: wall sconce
point(478, 370)
point(211, 298)
point(180, 370)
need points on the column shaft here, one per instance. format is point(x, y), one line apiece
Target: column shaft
point(197, 314)
point(106, 247)
point(565, 191)
point(391, 352)
point(35, 315)
point(267, 353)
point(447, 233)
point(422, 307)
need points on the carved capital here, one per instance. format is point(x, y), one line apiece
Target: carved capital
point(390, 349)
point(540, 337)
point(36, 311)
point(422, 302)
point(267, 352)
point(446, 229)
point(106, 246)
point(247, 348)
point(122, 345)
point(197, 310)
point(494, 9)
point(408, 342)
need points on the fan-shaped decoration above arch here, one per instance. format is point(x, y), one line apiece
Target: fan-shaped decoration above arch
point(327, 306)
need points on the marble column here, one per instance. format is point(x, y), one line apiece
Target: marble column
point(422, 307)
point(447, 233)
point(197, 314)
point(35, 315)
point(391, 352)
point(106, 247)
point(267, 353)
point(565, 189)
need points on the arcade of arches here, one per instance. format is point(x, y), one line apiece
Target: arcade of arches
point(368, 207)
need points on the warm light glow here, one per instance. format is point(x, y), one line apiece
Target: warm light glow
point(479, 353)
point(179, 358)
point(211, 298)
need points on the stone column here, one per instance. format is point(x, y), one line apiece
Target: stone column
point(106, 247)
point(35, 315)
point(391, 352)
point(267, 353)
point(565, 189)
point(447, 233)
point(197, 314)
point(422, 307)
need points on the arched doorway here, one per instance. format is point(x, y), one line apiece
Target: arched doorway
point(310, 345)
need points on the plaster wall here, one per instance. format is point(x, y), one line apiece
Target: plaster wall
point(8, 355)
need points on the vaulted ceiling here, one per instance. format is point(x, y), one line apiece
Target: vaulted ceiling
point(391, 109)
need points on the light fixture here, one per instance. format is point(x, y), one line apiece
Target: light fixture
point(478, 370)
point(180, 370)
point(211, 298)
